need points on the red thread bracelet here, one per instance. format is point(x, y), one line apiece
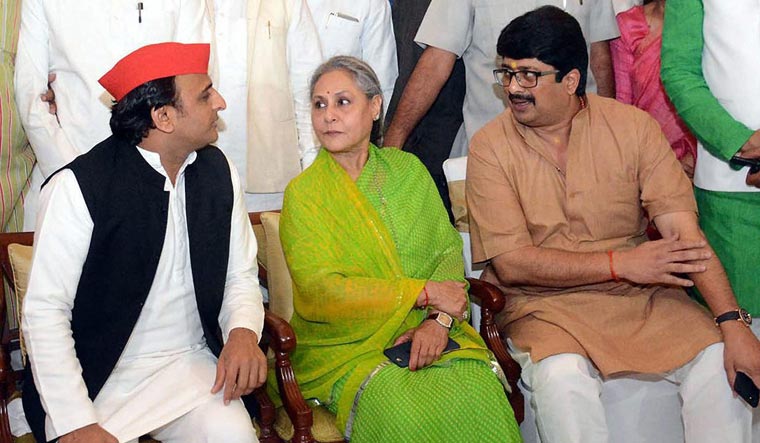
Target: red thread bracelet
point(612, 267)
point(427, 298)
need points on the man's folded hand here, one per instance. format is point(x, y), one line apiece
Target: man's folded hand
point(242, 366)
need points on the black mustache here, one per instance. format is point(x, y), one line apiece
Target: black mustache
point(529, 98)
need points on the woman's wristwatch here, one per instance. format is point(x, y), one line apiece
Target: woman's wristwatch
point(442, 319)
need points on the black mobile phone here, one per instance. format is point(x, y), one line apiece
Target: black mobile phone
point(752, 163)
point(400, 354)
point(744, 386)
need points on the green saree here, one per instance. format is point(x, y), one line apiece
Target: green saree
point(359, 255)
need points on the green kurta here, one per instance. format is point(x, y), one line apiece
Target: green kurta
point(359, 254)
point(682, 45)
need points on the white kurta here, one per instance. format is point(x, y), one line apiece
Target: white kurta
point(230, 30)
point(79, 42)
point(362, 29)
point(166, 369)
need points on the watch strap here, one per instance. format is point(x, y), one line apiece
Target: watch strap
point(733, 315)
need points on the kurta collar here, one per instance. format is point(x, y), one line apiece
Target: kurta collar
point(154, 160)
point(531, 139)
point(578, 117)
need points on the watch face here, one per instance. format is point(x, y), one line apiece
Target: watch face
point(444, 319)
point(746, 318)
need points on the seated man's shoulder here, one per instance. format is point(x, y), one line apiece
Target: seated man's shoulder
point(215, 159)
point(497, 132)
point(100, 159)
point(211, 151)
point(619, 112)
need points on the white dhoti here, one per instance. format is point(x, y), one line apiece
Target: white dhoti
point(566, 399)
point(143, 395)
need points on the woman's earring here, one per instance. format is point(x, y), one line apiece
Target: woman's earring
point(377, 117)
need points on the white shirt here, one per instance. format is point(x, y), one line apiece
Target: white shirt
point(624, 5)
point(165, 369)
point(730, 62)
point(363, 29)
point(80, 41)
point(471, 28)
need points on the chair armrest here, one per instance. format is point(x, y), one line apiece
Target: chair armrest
point(492, 301)
point(283, 342)
point(282, 334)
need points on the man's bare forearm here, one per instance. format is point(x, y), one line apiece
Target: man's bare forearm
point(713, 283)
point(430, 74)
point(551, 267)
point(652, 262)
point(600, 60)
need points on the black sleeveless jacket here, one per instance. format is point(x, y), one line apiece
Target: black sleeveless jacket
point(126, 200)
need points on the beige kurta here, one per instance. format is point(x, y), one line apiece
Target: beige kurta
point(619, 165)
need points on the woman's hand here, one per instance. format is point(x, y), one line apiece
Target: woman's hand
point(446, 296)
point(428, 342)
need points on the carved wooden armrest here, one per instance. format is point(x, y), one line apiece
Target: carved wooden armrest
point(492, 301)
point(283, 342)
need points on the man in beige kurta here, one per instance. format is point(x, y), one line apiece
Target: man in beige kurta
point(560, 188)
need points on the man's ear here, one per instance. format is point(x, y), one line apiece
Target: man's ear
point(163, 118)
point(571, 80)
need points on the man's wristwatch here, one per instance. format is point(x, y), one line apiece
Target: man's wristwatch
point(740, 314)
point(442, 319)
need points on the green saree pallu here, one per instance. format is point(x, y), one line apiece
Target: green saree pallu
point(359, 254)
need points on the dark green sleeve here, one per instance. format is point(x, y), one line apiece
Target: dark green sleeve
point(682, 43)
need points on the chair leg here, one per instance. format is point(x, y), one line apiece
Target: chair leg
point(5, 426)
point(268, 416)
point(6, 383)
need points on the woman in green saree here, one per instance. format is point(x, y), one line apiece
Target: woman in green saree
point(373, 257)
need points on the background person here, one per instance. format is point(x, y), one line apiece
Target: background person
point(59, 37)
point(467, 29)
point(636, 59)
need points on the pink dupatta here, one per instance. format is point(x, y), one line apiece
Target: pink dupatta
point(636, 60)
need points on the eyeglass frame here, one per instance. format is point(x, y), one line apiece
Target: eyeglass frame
point(513, 74)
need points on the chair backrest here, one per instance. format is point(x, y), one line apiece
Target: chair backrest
point(455, 170)
point(280, 283)
point(15, 264)
point(274, 275)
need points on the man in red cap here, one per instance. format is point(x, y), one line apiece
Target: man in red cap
point(158, 255)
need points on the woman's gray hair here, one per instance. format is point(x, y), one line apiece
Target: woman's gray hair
point(366, 80)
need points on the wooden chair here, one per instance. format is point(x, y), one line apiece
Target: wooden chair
point(489, 297)
point(278, 335)
point(9, 378)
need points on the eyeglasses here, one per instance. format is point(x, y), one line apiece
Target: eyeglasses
point(526, 79)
